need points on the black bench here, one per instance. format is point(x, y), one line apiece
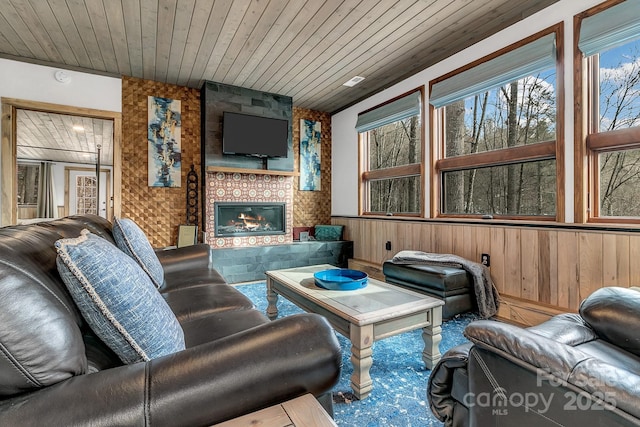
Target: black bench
point(450, 284)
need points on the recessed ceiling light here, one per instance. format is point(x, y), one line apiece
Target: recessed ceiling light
point(78, 128)
point(353, 81)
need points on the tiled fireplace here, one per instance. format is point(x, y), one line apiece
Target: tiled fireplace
point(265, 195)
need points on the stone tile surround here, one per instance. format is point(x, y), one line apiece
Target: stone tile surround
point(241, 187)
point(248, 264)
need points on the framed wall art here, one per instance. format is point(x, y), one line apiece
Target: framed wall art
point(163, 134)
point(310, 154)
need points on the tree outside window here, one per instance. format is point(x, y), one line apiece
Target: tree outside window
point(389, 147)
point(503, 123)
point(495, 138)
point(28, 177)
point(391, 158)
point(615, 123)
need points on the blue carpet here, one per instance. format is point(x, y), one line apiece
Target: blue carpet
point(399, 396)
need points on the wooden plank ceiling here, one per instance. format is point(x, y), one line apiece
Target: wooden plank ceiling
point(63, 138)
point(303, 49)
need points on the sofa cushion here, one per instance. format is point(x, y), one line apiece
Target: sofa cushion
point(117, 299)
point(131, 240)
point(614, 314)
point(40, 339)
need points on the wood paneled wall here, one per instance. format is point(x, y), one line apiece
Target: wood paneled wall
point(31, 212)
point(159, 211)
point(312, 207)
point(539, 271)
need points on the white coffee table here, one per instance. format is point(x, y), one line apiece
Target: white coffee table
point(366, 315)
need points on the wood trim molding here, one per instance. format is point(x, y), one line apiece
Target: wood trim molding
point(580, 102)
point(361, 167)
point(8, 191)
point(59, 108)
point(561, 172)
point(436, 138)
point(538, 151)
point(396, 172)
point(251, 171)
point(616, 139)
point(560, 125)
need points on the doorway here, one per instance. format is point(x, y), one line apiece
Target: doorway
point(80, 192)
point(8, 167)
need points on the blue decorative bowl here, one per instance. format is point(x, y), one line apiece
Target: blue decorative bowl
point(341, 279)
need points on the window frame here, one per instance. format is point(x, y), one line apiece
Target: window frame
point(543, 150)
point(590, 143)
point(366, 176)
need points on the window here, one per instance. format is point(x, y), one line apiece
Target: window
point(28, 177)
point(610, 42)
point(391, 157)
point(86, 191)
point(495, 134)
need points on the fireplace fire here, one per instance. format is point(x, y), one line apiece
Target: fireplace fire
point(242, 219)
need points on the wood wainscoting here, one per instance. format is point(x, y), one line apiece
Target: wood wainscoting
point(31, 212)
point(539, 271)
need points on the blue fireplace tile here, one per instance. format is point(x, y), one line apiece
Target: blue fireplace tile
point(299, 248)
point(249, 264)
point(221, 262)
point(247, 277)
point(259, 267)
point(236, 269)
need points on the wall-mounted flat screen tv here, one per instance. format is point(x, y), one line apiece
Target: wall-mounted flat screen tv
point(254, 135)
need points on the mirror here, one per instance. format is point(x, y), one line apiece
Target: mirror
point(55, 151)
point(62, 152)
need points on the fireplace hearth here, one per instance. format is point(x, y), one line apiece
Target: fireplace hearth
point(249, 219)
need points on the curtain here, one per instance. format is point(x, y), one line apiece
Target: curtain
point(538, 55)
point(399, 109)
point(46, 192)
point(612, 27)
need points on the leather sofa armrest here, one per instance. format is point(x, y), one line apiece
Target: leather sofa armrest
point(441, 383)
point(566, 328)
point(185, 258)
point(202, 385)
point(243, 372)
point(525, 347)
point(559, 363)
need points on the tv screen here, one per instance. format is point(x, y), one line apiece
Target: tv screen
point(254, 135)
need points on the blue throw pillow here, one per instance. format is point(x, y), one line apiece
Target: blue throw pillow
point(328, 232)
point(117, 299)
point(132, 241)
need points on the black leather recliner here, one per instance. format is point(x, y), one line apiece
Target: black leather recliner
point(55, 371)
point(572, 370)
